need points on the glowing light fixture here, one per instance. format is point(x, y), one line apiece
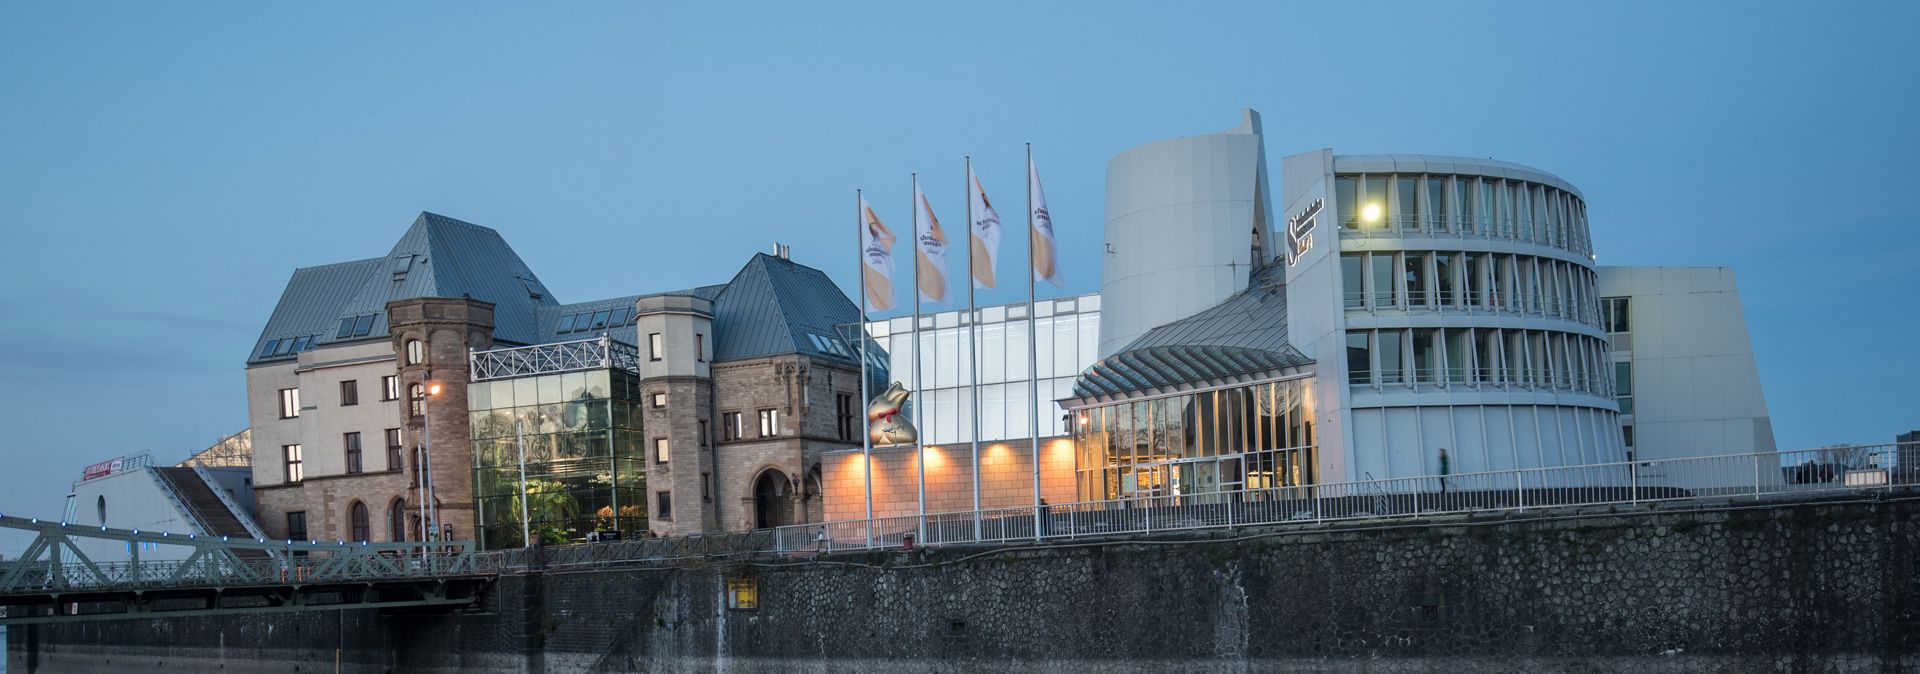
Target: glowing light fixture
point(1371, 213)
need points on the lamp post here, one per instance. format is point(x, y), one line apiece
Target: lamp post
point(430, 524)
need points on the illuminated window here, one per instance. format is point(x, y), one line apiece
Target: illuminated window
point(743, 594)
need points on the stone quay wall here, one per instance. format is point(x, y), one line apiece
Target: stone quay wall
point(1828, 585)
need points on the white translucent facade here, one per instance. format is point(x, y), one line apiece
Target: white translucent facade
point(1450, 303)
point(1185, 217)
point(1684, 372)
point(1068, 330)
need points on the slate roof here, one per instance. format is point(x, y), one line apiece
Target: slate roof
point(1242, 337)
point(772, 306)
point(777, 306)
point(437, 257)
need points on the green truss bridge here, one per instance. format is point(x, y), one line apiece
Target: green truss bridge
point(57, 578)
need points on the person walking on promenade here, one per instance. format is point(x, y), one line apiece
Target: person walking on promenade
point(1446, 466)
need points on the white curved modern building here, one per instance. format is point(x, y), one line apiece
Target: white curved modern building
point(1449, 303)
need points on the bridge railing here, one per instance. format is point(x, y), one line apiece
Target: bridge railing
point(59, 559)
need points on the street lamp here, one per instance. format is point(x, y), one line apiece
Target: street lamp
point(429, 519)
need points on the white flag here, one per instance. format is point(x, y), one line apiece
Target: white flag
point(930, 244)
point(984, 235)
point(876, 253)
point(1046, 263)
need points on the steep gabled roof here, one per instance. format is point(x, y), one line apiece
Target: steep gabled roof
point(437, 257)
point(776, 306)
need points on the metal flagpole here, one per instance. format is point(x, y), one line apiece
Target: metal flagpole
point(866, 436)
point(920, 438)
point(1033, 349)
point(526, 505)
point(973, 353)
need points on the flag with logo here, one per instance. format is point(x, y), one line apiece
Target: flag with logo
point(983, 235)
point(876, 257)
point(930, 249)
point(1046, 262)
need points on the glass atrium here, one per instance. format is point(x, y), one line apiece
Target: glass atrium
point(584, 456)
point(1189, 447)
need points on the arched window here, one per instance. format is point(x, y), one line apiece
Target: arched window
point(417, 393)
point(357, 516)
point(397, 520)
point(416, 352)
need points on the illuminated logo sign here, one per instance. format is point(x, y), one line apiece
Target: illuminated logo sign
point(1300, 231)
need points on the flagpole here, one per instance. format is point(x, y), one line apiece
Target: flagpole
point(866, 435)
point(1033, 355)
point(973, 351)
point(920, 438)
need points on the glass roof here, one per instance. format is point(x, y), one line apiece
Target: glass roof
point(1158, 367)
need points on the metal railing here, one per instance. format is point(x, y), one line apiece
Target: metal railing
point(1736, 476)
point(57, 561)
point(1571, 239)
point(595, 353)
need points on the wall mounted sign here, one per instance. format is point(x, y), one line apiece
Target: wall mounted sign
point(1300, 231)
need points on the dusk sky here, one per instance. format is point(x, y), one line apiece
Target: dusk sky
point(164, 167)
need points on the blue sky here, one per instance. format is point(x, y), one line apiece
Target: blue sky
point(165, 166)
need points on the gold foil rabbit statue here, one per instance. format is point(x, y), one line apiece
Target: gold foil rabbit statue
point(887, 423)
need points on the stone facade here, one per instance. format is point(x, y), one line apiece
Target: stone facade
point(802, 391)
point(447, 328)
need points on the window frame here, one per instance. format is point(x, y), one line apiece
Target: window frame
point(293, 463)
point(349, 392)
point(290, 403)
point(663, 505)
point(769, 418)
point(416, 352)
point(389, 388)
point(396, 441)
point(350, 445)
point(656, 347)
point(662, 451)
point(732, 426)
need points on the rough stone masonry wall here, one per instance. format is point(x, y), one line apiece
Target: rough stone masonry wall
point(1827, 586)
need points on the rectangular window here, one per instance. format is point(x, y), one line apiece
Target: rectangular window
point(1344, 202)
point(1626, 438)
point(703, 433)
point(769, 423)
point(1443, 278)
point(699, 348)
point(1463, 203)
point(1437, 203)
point(658, 400)
point(663, 505)
point(349, 393)
point(656, 346)
point(1407, 193)
point(351, 443)
point(290, 454)
point(1623, 386)
point(1615, 315)
point(1416, 278)
point(289, 403)
point(297, 525)
point(1359, 357)
point(1459, 355)
point(1385, 291)
point(1391, 365)
point(390, 388)
point(1353, 277)
point(1426, 356)
point(843, 416)
point(1373, 203)
point(566, 324)
point(393, 449)
point(599, 319)
point(706, 494)
point(662, 452)
point(730, 428)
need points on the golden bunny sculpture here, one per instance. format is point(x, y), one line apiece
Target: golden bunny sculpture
point(887, 423)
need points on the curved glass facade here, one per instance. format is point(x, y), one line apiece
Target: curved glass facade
point(1400, 204)
point(1189, 445)
point(585, 459)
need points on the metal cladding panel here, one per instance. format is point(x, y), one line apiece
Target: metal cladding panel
point(313, 302)
point(1444, 164)
point(1180, 229)
point(771, 306)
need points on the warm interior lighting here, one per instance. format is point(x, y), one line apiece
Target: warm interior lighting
point(433, 389)
point(1083, 419)
point(1370, 213)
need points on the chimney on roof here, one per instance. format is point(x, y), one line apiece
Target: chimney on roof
point(782, 251)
